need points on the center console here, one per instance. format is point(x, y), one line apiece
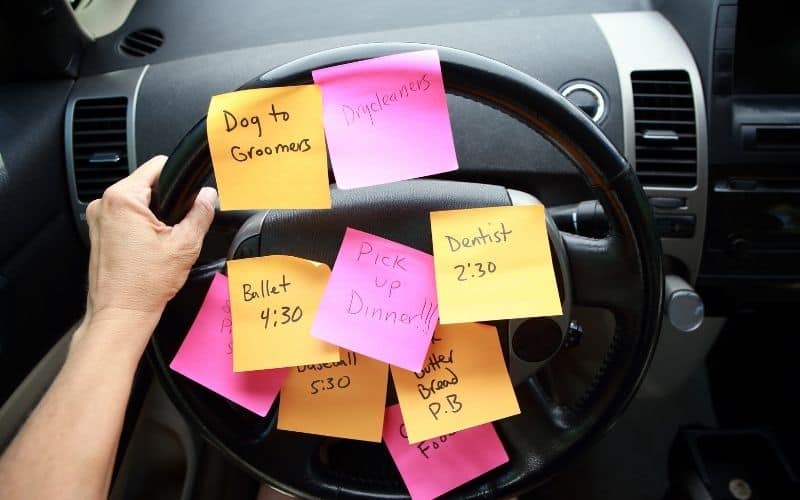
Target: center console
point(753, 225)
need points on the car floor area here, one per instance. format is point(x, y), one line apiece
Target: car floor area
point(630, 462)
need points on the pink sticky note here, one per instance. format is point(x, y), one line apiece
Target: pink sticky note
point(380, 301)
point(206, 356)
point(386, 119)
point(436, 466)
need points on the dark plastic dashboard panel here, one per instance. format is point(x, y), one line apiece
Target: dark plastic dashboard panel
point(554, 49)
point(196, 27)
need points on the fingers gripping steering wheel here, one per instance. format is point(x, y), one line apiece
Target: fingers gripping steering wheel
point(620, 272)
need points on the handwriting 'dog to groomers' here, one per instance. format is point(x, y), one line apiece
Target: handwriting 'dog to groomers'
point(380, 300)
point(463, 383)
point(493, 263)
point(386, 119)
point(273, 302)
point(205, 356)
point(268, 148)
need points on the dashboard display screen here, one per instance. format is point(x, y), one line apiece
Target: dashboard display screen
point(767, 55)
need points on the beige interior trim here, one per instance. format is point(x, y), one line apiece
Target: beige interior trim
point(16, 409)
point(101, 17)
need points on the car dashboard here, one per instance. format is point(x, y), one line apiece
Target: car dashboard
point(701, 97)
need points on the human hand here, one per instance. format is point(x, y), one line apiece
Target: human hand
point(137, 263)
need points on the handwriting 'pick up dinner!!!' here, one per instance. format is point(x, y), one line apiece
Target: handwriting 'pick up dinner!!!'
point(325, 338)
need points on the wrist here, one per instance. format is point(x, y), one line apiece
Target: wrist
point(120, 332)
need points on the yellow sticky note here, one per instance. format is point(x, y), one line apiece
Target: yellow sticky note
point(493, 263)
point(268, 148)
point(273, 303)
point(345, 399)
point(463, 383)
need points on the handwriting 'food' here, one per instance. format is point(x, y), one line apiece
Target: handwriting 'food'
point(435, 466)
point(268, 148)
point(380, 300)
point(205, 356)
point(464, 382)
point(273, 301)
point(386, 119)
point(493, 263)
point(342, 399)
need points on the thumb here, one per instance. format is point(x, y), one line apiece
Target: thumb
point(196, 223)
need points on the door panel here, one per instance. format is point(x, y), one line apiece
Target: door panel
point(42, 260)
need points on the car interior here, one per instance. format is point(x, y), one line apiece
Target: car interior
point(660, 135)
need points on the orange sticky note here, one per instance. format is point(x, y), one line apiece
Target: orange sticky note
point(493, 263)
point(268, 148)
point(463, 383)
point(345, 399)
point(273, 303)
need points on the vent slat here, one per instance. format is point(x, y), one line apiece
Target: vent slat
point(650, 108)
point(680, 135)
point(142, 42)
point(154, 39)
point(92, 169)
point(99, 126)
point(83, 121)
point(81, 157)
point(666, 140)
point(663, 161)
point(100, 144)
point(671, 122)
point(132, 51)
point(660, 82)
point(100, 132)
point(656, 173)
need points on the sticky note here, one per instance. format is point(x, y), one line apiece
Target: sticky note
point(345, 399)
point(206, 356)
point(268, 148)
point(273, 303)
point(436, 466)
point(386, 119)
point(380, 300)
point(463, 383)
point(493, 263)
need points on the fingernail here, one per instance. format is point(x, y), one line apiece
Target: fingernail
point(208, 194)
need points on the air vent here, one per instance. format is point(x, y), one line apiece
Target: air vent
point(666, 141)
point(142, 42)
point(99, 145)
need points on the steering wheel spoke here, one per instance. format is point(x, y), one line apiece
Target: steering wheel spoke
point(602, 273)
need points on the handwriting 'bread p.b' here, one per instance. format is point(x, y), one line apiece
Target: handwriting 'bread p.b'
point(463, 383)
point(493, 263)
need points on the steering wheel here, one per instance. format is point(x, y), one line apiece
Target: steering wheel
point(620, 272)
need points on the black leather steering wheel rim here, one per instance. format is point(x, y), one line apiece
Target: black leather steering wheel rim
point(627, 263)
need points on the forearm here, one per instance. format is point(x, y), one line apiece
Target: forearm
point(66, 449)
